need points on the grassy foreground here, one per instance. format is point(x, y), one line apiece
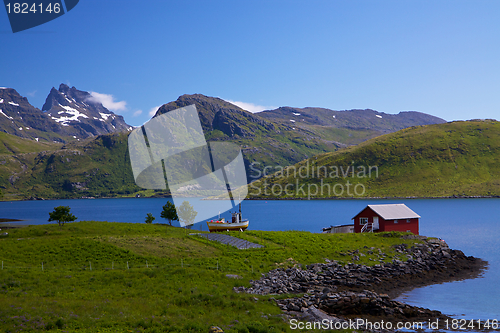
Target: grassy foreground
point(122, 277)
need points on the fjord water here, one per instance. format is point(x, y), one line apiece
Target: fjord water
point(471, 225)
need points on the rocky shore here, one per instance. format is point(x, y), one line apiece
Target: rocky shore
point(343, 292)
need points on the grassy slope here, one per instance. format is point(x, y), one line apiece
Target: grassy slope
point(17, 156)
point(459, 158)
point(327, 134)
point(343, 135)
point(347, 127)
point(184, 289)
point(101, 167)
point(10, 144)
point(275, 148)
point(279, 149)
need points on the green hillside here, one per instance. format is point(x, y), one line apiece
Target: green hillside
point(95, 167)
point(107, 277)
point(452, 159)
point(100, 167)
point(10, 144)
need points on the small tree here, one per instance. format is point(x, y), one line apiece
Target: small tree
point(62, 215)
point(67, 185)
point(169, 213)
point(149, 218)
point(187, 213)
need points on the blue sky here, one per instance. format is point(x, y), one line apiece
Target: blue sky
point(437, 57)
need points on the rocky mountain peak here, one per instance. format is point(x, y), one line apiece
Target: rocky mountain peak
point(19, 117)
point(82, 115)
point(64, 88)
point(67, 112)
point(12, 96)
point(218, 114)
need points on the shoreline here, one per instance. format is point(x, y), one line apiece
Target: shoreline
point(269, 199)
point(3, 220)
point(352, 291)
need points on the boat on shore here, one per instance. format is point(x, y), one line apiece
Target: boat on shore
point(236, 224)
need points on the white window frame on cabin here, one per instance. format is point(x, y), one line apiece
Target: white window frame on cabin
point(361, 219)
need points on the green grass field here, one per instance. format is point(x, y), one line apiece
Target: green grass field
point(121, 277)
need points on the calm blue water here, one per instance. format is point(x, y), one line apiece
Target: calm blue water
point(471, 225)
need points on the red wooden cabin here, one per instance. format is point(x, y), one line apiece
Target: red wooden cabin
point(392, 217)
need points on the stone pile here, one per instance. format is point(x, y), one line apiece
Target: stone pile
point(347, 303)
point(353, 290)
point(422, 258)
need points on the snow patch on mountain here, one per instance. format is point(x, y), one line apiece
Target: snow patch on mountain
point(105, 116)
point(75, 114)
point(6, 115)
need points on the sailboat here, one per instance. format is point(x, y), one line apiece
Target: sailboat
point(237, 223)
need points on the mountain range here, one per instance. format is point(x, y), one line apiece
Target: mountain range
point(67, 114)
point(285, 136)
point(75, 147)
point(339, 127)
point(348, 126)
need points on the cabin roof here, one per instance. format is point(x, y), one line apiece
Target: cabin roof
point(392, 211)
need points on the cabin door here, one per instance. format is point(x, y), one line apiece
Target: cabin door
point(375, 223)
